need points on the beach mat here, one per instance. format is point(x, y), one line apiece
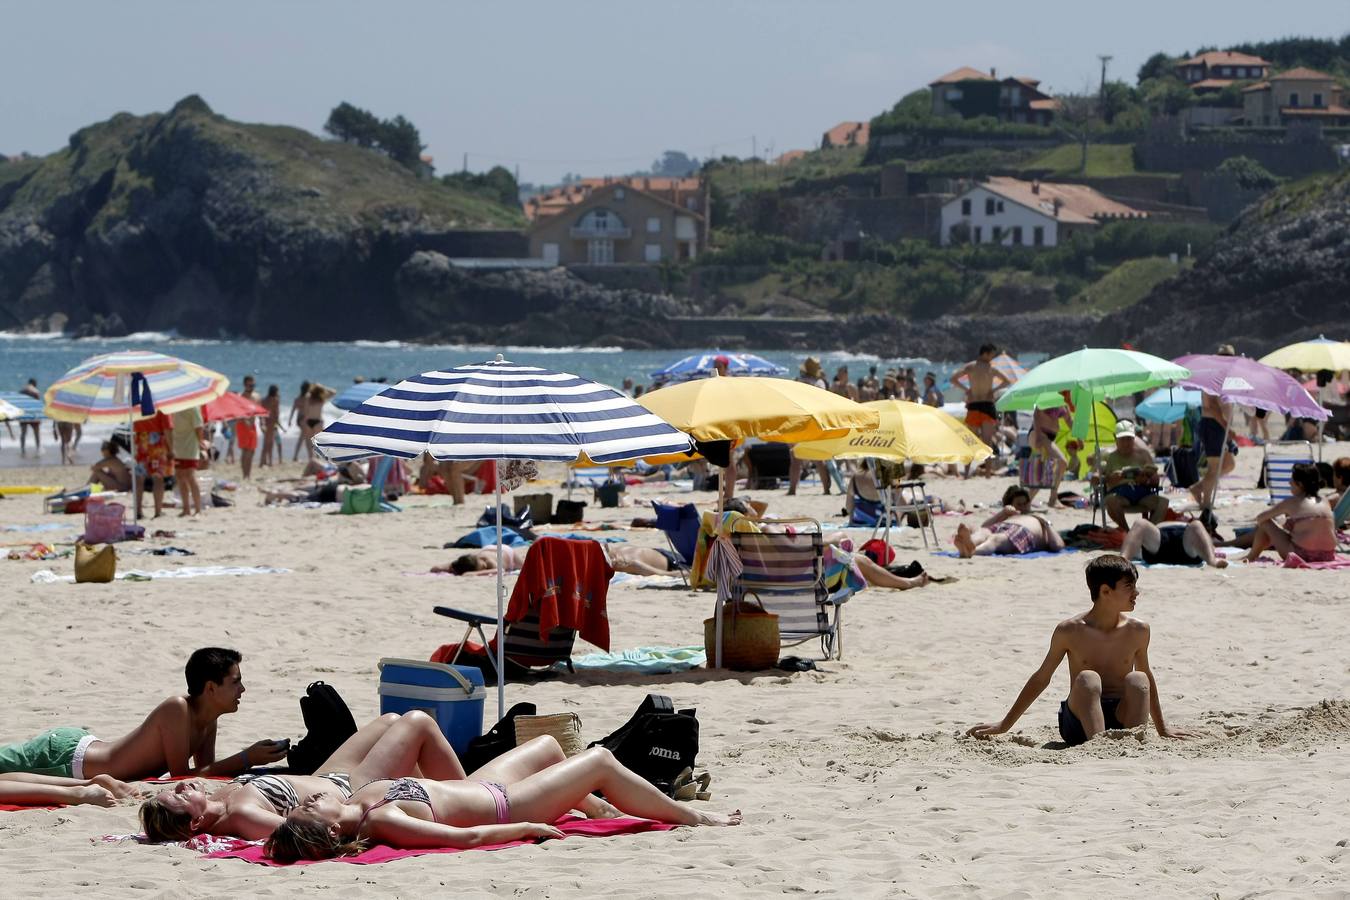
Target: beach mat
point(16, 807)
point(47, 576)
point(250, 851)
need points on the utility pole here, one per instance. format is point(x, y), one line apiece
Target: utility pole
point(465, 170)
point(1101, 92)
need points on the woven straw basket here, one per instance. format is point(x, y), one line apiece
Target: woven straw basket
point(566, 727)
point(749, 638)
point(96, 564)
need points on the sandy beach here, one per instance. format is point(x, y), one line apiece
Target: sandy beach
point(855, 780)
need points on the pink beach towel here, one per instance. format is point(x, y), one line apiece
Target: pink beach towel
point(571, 825)
point(1294, 561)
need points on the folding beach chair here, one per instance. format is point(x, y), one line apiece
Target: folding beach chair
point(1280, 459)
point(371, 499)
point(525, 649)
point(680, 525)
point(786, 572)
point(911, 498)
point(1341, 514)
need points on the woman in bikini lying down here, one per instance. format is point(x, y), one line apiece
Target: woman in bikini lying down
point(252, 806)
point(25, 789)
point(1012, 530)
point(417, 813)
point(623, 557)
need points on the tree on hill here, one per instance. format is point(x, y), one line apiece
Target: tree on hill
point(675, 164)
point(1248, 172)
point(397, 138)
point(497, 184)
point(1159, 65)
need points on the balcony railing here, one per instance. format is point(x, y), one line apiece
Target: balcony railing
point(590, 231)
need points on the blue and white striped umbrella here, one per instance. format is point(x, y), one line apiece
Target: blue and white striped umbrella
point(359, 393)
point(29, 407)
point(500, 410)
point(700, 365)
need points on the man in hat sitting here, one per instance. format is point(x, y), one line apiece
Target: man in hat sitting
point(1131, 479)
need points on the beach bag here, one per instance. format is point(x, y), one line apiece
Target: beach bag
point(564, 727)
point(328, 724)
point(878, 551)
point(750, 639)
point(497, 740)
point(103, 521)
point(1183, 467)
point(569, 512)
point(95, 565)
point(360, 500)
point(539, 505)
point(1036, 471)
point(520, 522)
point(658, 742)
point(607, 494)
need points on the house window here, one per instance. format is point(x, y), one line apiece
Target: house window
point(1317, 100)
point(618, 193)
point(1000, 206)
point(977, 236)
point(953, 94)
point(1017, 235)
point(691, 203)
point(1293, 99)
point(997, 235)
point(550, 253)
point(652, 253)
point(988, 206)
point(1038, 236)
point(600, 252)
point(1226, 72)
point(965, 207)
point(653, 225)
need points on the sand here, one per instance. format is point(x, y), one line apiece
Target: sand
point(855, 779)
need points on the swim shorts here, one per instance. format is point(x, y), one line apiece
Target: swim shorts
point(672, 561)
point(1134, 494)
point(57, 751)
point(1171, 549)
point(1071, 730)
point(1211, 438)
point(185, 463)
point(980, 411)
point(246, 434)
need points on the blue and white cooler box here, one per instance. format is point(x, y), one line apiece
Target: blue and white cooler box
point(452, 695)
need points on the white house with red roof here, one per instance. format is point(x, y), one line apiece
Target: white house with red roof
point(1296, 95)
point(1017, 213)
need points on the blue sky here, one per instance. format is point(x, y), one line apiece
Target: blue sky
point(580, 85)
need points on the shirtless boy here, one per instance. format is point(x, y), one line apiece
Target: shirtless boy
point(1110, 682)
point(980, 380)
point(179, 736)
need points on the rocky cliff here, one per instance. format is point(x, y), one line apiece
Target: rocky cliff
point(1281, 274)
point(189, 221)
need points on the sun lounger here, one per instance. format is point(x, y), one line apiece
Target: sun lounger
point(680, 525)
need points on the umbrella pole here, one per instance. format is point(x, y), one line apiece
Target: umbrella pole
point(1097, 452)
point(501, 593)
point(135, 495)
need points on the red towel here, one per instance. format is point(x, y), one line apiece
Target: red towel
point(567, 581)
point(570, 825)
point(14, 807)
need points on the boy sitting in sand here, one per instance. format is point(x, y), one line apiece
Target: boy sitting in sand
point(179, 736)
point(1110, 682)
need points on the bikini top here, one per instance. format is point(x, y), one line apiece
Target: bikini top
point(401, 789)
point(281, 794)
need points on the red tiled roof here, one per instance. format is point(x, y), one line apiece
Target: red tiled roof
point(1049, 103)
point(1217, 83)
point(1259, 86)
point(1223, 58)
point(1301, 74)
point(1297, 111)
point(788, 157)
point(1079, 204)
point(550, 203)
point(965, 73)
point(848, 134)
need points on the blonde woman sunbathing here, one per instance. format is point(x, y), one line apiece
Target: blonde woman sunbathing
point(252, 806)
point(1010, 531)
point(415, 813)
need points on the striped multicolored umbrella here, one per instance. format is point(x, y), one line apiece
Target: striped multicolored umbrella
point(29, 407)
point(99, 389)
point(499, 410)
point(1012, 370)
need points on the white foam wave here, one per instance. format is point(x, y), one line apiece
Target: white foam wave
point(510, 348)
point(31, 335)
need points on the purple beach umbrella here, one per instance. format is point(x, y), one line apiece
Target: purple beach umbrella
point(1237, 379)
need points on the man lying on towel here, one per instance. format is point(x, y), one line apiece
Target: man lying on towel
point(179, 736)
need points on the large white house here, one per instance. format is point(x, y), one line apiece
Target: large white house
point(1016, 213)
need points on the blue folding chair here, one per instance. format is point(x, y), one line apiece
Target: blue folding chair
point(680, 525)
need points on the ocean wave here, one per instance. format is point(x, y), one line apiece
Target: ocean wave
point(510, 348)
point(31, 335)
point(392, 345)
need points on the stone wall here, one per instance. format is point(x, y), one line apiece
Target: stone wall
point(1288, 158)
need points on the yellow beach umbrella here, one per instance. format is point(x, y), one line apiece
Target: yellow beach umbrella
point(1311, 356)
point(907, 431)
point(775, 409)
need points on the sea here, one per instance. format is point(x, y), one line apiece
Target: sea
point(47, 357)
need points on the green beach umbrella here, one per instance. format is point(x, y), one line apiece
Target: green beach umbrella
point(1096, 373)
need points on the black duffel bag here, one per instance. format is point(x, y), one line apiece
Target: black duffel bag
point(657, 743)
point(328, 724)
